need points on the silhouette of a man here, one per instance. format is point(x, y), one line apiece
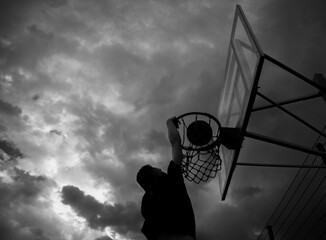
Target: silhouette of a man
point(166, 206)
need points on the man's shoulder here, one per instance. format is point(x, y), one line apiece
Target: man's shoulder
point(175, 237)
point(173, 166)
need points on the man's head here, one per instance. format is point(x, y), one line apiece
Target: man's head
point(147, 176)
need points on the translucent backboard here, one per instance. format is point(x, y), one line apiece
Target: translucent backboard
point(243, 67)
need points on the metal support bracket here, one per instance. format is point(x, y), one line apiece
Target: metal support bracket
point(276, 165)
point(231, 137)
point(291, 114)
point(285, 144)
point(295, 100)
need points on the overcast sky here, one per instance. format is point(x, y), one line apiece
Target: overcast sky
point(86, 88)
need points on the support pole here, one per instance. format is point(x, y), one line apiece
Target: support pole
point(270, 232)
point(284, 144)
point(321, 80)
point(295, 73)
point(291, 114)
point(276, 165)
point(321, 148)
point(287, 102)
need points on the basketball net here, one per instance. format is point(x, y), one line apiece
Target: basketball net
point(200, 144)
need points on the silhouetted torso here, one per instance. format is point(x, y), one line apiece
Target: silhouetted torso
point(167, 209)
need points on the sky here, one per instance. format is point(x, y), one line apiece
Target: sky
point(86, 88)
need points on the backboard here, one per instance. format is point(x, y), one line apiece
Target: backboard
point(243, 66)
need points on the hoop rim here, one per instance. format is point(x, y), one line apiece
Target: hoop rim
point(209, 116)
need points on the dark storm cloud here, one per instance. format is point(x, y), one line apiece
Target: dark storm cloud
point(123, 218)
point(164, 92)
point(246, 192)
point(247, 213)
point(14, 19)
point(227, 222)
point(27, 187)
point(9, 109)
point(13, 14)
point(56, 3)
point(294, 32)
point(39, 234)
point(10, 149)
point(155, 139)
point(56, 131)
point(36, 97)
point(34, 29)
point(92, 116)
point(17, 201)
point(27, 36)
point(205, 96)
point(104, 238)
point(143, 83)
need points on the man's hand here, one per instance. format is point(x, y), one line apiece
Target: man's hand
point(174, 136)
point(175, 140)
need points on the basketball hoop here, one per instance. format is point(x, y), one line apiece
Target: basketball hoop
point(200, 142)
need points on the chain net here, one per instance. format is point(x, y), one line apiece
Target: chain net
point(201, 159)
point(200, 166)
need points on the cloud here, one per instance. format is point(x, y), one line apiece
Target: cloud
point(246, 192)
point(24, 207)
point(104, 238)
point(294, 32)
point(125, 219)
point(27, 186)
point(155, 139)
point(9, 109)
point(212, 230)
point(57, 3)
point(33, 29)
point(12, 117)
point(36, 97)
point(10, 150)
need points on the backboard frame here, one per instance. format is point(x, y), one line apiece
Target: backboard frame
point(235, 48)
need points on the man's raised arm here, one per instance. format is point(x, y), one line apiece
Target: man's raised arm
point(175, 140)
